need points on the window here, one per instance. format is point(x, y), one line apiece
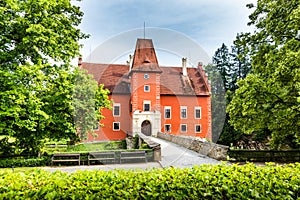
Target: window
point(167, 112)
point(116, 109)
point(168, 128)
point(116, 126)
point(198, 112)
point(147, 105)
point(146, 88)
point(183, 128)
point(197, 128)
point(183, 112)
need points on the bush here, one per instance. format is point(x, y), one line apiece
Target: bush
point(6, 147)
point(24, 162)
point(203, 182)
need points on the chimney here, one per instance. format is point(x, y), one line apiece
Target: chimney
point(184, 70)
point(129, 62)
point(79, 62)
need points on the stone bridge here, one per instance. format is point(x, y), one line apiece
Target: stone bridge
point(181, 151)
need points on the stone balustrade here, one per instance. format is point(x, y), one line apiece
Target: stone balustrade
point(212, 150)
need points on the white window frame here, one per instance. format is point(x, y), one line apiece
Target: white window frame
point(114, 126)
point(147, 102)
point(195, 112)
point(181, 125)
point(181, 108)
point(196, 128)
point(165, 108)
point(145, 86)
point(117, 105)
point(166, 128)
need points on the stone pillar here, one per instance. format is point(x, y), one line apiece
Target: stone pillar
point(157, 153)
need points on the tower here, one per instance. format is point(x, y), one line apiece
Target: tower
point(145, 89)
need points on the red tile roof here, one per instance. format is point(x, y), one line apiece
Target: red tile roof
point(144, 58)
point(173, 82)
point(115, 78)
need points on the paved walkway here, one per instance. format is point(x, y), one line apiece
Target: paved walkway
point(177, 156)
point(172, 155)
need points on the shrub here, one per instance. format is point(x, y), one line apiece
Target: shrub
point(24, 162)
point(203, 182)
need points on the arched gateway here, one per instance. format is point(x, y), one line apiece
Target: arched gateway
point(146, 128)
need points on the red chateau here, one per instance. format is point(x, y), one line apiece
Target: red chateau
point(148, 98)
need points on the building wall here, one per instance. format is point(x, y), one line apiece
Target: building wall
point(106, 131)
point(158, 103)
point(175, 102)
point(139, 95)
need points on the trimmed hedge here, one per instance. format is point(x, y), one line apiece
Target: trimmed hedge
point(45, 160)
point(203, 182)
point(24, 162)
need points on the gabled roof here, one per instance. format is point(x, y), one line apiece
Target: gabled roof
point(115, 78)
point(174, 83)
point(144, 58)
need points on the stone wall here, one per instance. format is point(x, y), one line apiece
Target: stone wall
point(212, 150)
point(153, 145)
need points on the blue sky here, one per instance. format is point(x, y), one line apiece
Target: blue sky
point(207, 22)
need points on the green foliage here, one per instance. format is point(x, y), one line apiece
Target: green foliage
point(218, 101)
point(35, 94)
point(5, 147)
point(39, 30)
point(228, 67)
point(136, 139)
point(268, 98)
point(38, 40)
point(87, 147)
point(88, 100)
point(203, 182)
point(24, 162)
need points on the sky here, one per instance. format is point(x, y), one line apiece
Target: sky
point(209, 23)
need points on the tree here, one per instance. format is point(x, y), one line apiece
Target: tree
point(222, 62)
point(268, 98)
point(230, 66)
point(38, 40)
point(88, 100)
point(218, 101)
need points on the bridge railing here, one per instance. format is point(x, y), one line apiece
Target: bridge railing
point(153, 145)
point(264, 155)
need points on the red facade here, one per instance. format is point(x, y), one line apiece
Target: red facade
point(149, 98)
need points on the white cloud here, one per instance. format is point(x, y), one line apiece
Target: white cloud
point(209, 22)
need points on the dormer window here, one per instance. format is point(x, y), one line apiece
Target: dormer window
point(146, 76)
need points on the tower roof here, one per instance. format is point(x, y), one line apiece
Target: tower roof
point(144, 58)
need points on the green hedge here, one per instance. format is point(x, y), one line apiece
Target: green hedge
point(204, 182)
point(24, 162)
